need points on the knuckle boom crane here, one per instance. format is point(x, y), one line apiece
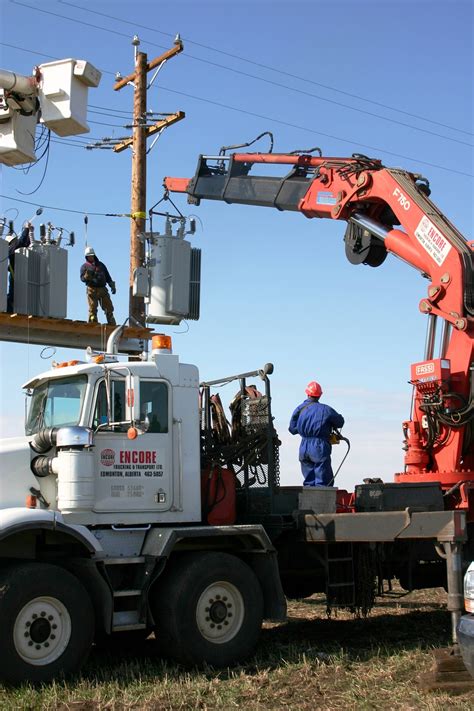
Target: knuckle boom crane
point(149, 513)
point(386, 210)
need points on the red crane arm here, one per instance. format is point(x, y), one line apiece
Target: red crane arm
point(355, 190)
point(387, 210)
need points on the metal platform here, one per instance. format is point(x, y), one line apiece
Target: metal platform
point(386, 526)
point(21, 328)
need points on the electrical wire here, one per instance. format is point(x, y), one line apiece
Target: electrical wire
point(107, 113)
point(318, 133)
point(46, 349)
point(26, 167)
point(268, 67)
point(41, 142)
point(46, 152)
point(113, 125)
point(330, 101)
point(68, 145)
point(67, 142)
point(63, 209)
point(108, 109)
point(281, 122)
point(251, 76)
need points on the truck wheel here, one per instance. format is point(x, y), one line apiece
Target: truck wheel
point(47, 623)
point(208, 608)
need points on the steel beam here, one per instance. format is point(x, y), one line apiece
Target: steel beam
point(385, 526)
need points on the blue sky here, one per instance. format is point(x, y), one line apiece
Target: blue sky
point(393, 80)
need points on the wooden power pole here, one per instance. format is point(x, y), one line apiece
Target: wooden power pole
point(138, 143)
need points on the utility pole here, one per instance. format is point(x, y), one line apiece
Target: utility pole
point(138, 143)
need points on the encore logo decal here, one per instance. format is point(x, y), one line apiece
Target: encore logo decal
point(107, 457)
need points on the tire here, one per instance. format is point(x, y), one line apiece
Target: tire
point(208, 608)
point(47, 622)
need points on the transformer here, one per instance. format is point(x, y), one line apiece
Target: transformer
point(41, 281)
point(3, 274)
point(174, 273)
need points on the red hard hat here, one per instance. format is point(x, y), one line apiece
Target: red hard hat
point(314, 389)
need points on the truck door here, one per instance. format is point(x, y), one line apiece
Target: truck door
point(134, 474)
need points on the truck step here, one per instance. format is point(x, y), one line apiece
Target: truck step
point(127, 593)
point(136, 560)
point(128, 628)
point(127, 620)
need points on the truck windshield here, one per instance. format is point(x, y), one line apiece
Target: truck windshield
point(56, 403)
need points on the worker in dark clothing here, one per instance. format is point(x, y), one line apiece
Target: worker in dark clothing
point(14, 243)
point(96, 277)
point(314, 421)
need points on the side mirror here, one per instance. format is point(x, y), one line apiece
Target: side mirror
point(144, 425)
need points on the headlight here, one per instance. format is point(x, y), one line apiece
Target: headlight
point(469, 591)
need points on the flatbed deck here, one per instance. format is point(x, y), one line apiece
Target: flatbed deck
point(65, 333)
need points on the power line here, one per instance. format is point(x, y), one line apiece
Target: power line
point(253, 76)
point(279, 121)
point(333, 101)
point(318, 133)
point(78, 139)
point(112, 125)
point(270, 68)
point(92, 110)
point(65, 142)
point(30, 51)
point(61, 209)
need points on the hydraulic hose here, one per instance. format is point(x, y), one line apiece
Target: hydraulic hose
point(343, 439)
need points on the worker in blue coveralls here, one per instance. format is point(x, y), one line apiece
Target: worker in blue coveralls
point(314, 421)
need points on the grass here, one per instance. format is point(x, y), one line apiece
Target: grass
point(311, 662)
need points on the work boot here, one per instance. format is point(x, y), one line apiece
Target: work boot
point(111, 321)
point(92, 318)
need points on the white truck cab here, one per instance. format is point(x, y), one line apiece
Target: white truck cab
point(138, 459)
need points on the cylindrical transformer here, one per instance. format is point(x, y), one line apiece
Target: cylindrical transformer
point(170, 270)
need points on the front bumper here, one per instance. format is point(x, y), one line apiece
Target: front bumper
point(465, 632)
